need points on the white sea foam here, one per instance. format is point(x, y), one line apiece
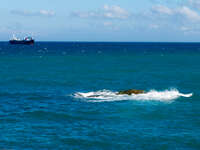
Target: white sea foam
point(152, 95)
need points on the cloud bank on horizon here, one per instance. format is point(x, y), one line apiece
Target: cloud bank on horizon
point(153, 20)
point(42, 13)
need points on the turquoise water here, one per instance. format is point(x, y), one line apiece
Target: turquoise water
point(63, 96)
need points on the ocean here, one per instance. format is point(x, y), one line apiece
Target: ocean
point(63, 95)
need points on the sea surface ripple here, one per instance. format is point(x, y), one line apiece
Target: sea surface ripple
point(63, 95)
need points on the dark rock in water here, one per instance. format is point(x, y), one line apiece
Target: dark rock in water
point(94, 96)
point(131, 91)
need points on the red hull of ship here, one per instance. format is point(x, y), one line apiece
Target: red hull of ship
point(21, 42)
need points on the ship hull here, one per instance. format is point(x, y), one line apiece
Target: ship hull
point(30, 42)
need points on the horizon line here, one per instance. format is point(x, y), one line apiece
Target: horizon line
point(112, 41)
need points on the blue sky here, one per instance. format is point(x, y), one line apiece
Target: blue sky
point(105, 20)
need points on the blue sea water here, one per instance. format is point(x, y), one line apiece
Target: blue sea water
point(63, 95)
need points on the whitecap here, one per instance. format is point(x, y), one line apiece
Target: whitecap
point(152, 95)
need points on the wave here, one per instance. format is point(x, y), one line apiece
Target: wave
point(152, 95)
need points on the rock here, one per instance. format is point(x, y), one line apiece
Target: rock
point(131, 91)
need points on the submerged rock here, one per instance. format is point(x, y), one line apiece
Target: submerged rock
point(131, 91)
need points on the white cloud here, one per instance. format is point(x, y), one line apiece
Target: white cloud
point(183, 28)
point(194, 3)
point(188, 13)
point(43, 13)
point(107, 23)
point(110, 25)
point(180, 18)
point(85, 14)
point(160, 9)
point(190, 29)
point(115, 12)
point(153, 26)
point(107, 12)
point(46, 13)
point(183, 12)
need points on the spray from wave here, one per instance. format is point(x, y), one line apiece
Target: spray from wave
point(152, 95)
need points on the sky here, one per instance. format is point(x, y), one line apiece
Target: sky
point(101, 20)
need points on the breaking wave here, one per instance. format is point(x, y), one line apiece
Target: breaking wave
point(153, 95)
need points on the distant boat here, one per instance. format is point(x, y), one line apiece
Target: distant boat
point(27, 40)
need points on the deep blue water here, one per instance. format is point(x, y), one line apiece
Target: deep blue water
point(44, 102)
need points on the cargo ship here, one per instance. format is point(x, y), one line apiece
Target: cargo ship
point(27, 40)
